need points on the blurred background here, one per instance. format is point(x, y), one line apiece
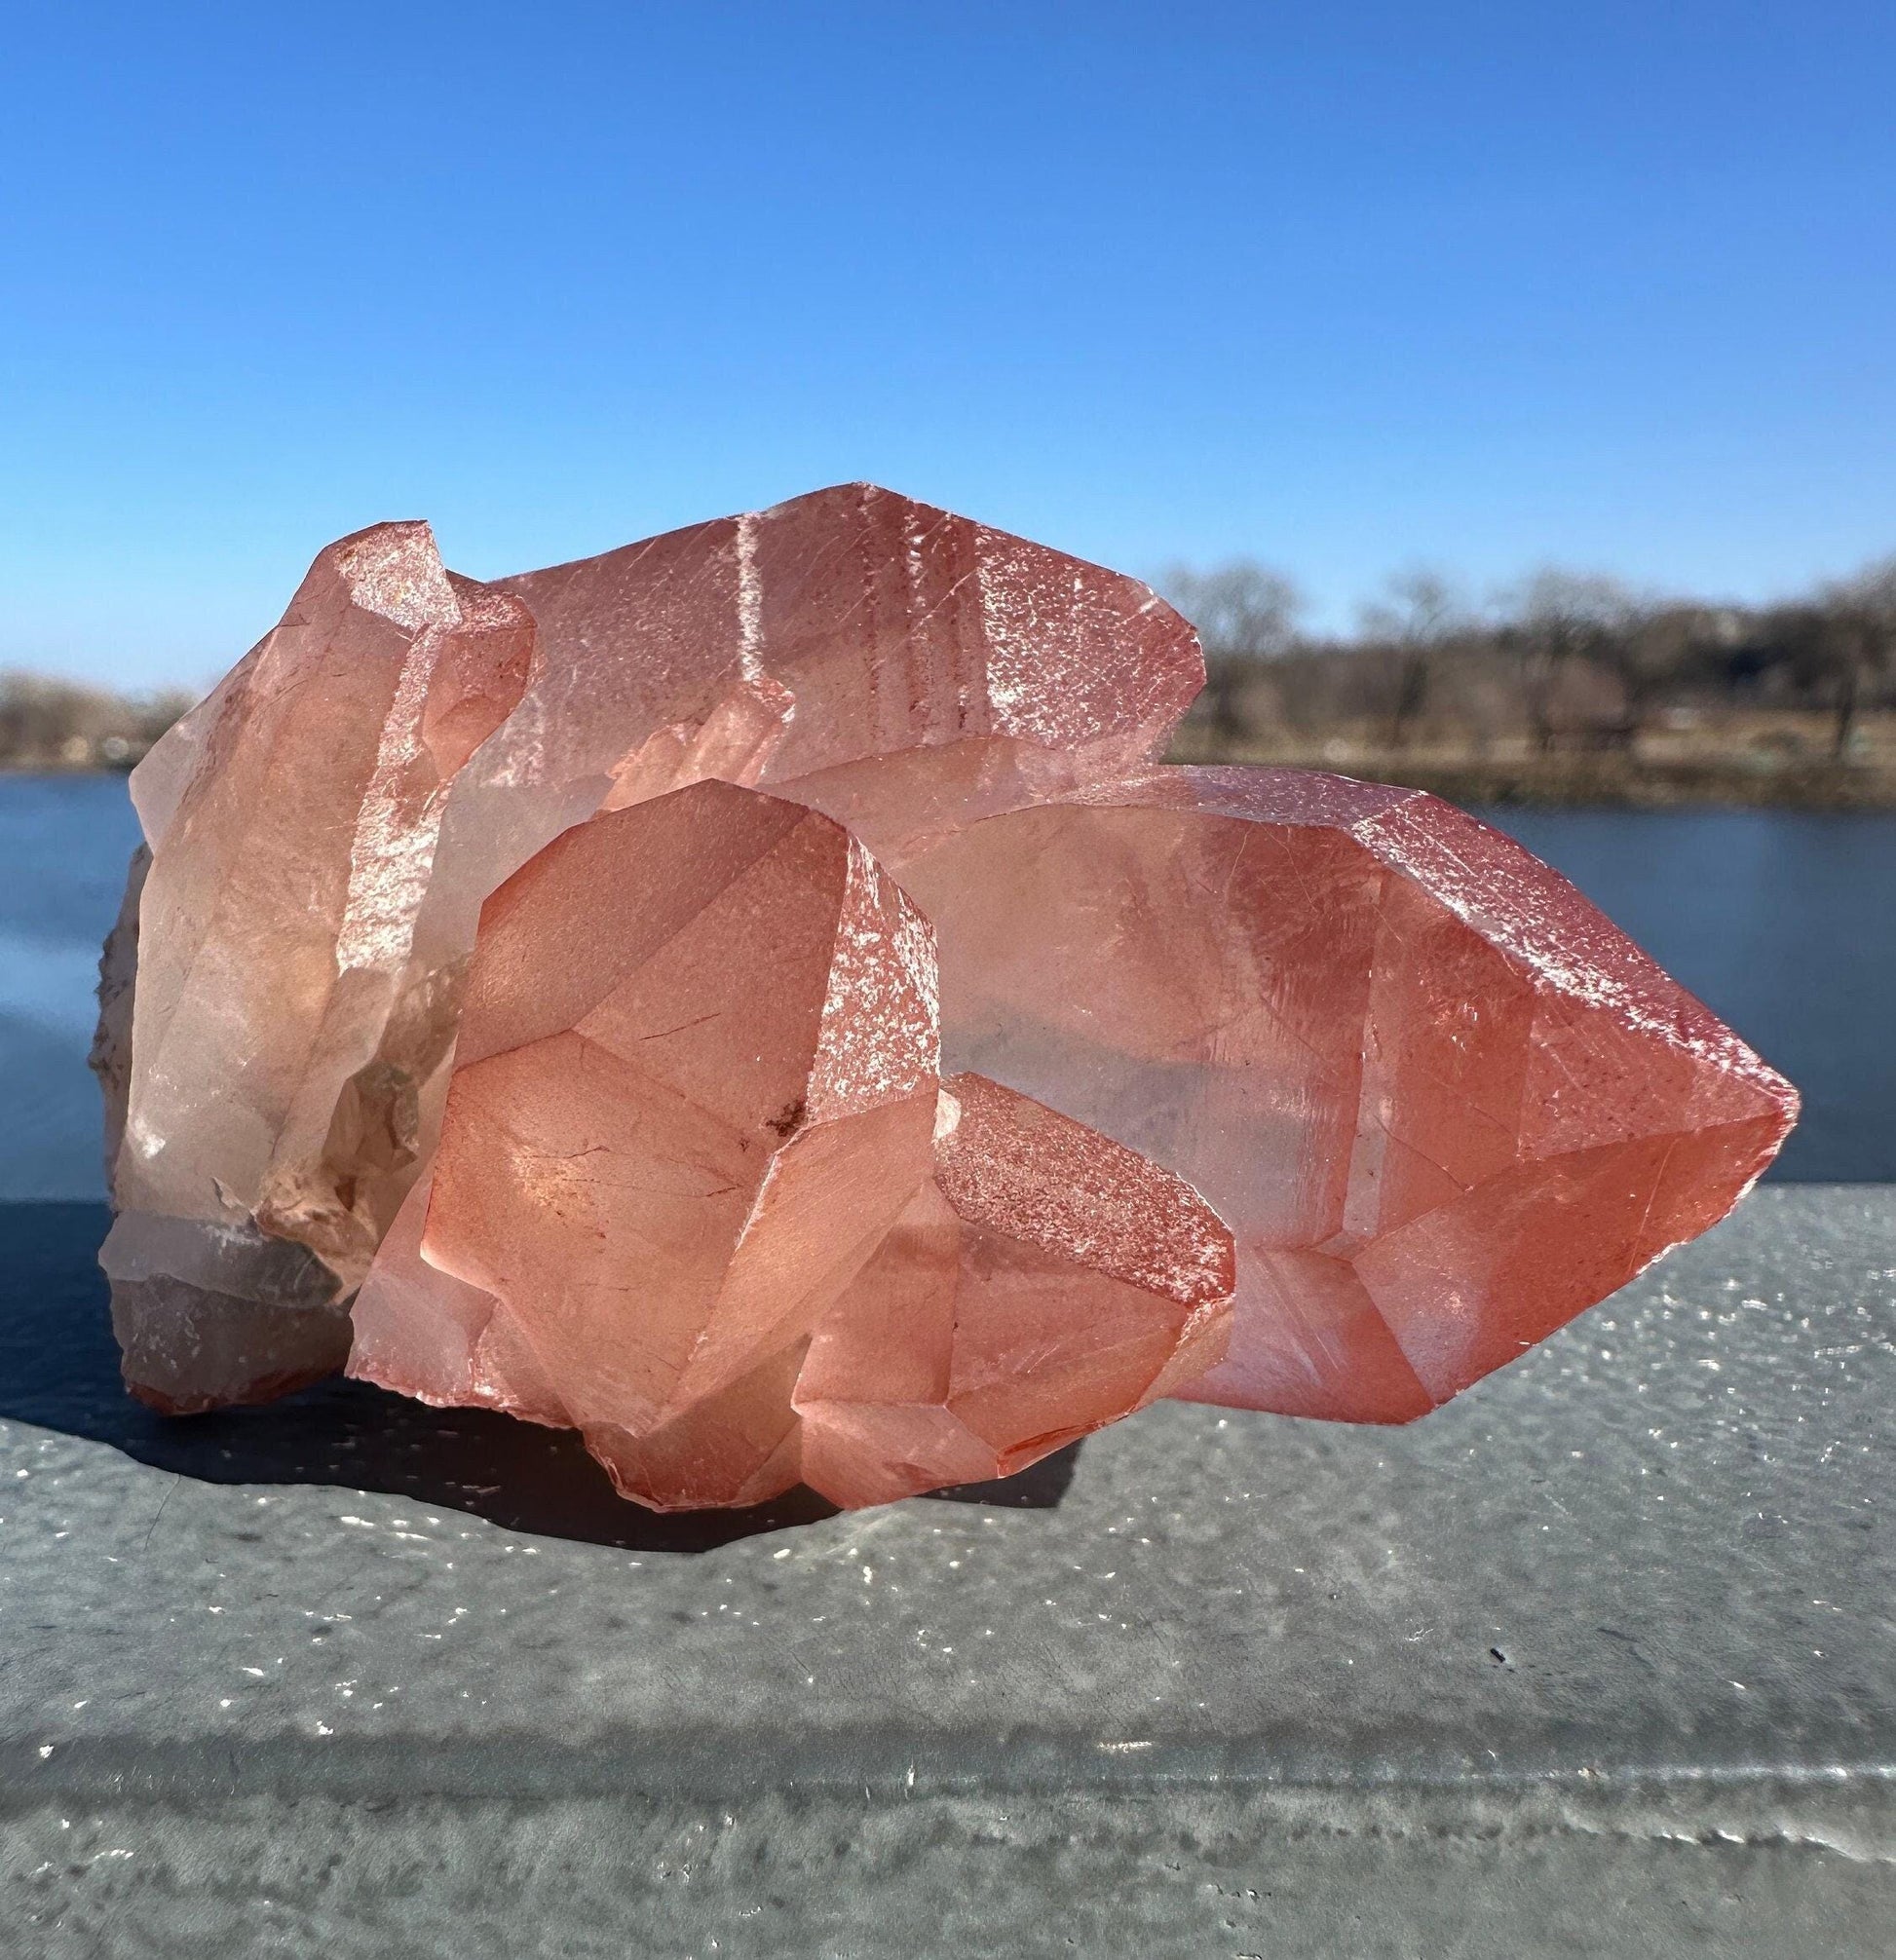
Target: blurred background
point(1505, 393)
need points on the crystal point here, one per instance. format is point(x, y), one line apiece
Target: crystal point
point(1442, 1103)
point(694, 1084)
point(282, 1047)
point(1044, 1282)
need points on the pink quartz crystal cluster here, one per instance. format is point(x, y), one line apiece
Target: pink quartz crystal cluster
point(755, 998)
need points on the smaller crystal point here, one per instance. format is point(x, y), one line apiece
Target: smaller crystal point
point(693, 1087)
point(281, 1048)
point(1045, 1281)
point(733, 743)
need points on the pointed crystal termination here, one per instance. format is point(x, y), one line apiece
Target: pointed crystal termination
point(280, 1053)
point(1443, 1104)
point(1045, 1282)
point(695, 1086)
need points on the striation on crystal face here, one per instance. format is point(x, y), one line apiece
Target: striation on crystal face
point(282, 1045)
point(555, 960)
point(1044, 1282)
point(695, 1085)
point(1443, 1102)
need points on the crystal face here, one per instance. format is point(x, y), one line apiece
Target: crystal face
point(528, 997)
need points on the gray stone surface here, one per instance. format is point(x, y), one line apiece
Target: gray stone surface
point(1600, 1659)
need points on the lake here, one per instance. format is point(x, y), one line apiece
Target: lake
point(1783, 922)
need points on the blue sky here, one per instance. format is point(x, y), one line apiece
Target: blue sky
point(1347, 287)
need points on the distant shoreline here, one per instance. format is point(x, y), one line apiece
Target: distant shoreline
point(1550, 782)
point(63, 769)
point(1592, 781)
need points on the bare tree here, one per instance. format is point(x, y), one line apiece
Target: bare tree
point(1861, 641)
point(1420, 614)
point(1650, 649)
point(54, 723)
point(1246, 614)
point(1559, 617)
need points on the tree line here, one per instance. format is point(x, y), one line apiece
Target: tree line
point(55, 724)
point(1562, 660)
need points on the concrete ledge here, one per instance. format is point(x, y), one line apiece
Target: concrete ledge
point(1600, 1659)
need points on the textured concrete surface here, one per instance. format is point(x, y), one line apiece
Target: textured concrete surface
point(1600, 1659)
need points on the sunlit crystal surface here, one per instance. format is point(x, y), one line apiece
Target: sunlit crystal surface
point(1442, 1103)
point(1042, 1282)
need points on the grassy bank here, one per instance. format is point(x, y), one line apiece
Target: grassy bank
point(1759, 760)
point(1608, 781)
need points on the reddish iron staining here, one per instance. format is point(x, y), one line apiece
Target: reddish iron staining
point(562, 970)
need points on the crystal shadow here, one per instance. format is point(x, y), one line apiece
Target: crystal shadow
point(60, 1370)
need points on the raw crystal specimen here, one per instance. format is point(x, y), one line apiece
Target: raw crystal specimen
point(695, 1085)
point(1442, 1103)
point(1044, 1281)
point(1278, 1090)
point(282, 1044)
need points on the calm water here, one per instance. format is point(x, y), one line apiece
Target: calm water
point(64, 844)
point(1784, 922)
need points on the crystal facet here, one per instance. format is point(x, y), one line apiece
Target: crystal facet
point(550, 965)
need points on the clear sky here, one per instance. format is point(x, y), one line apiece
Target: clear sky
point(1344, 287)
